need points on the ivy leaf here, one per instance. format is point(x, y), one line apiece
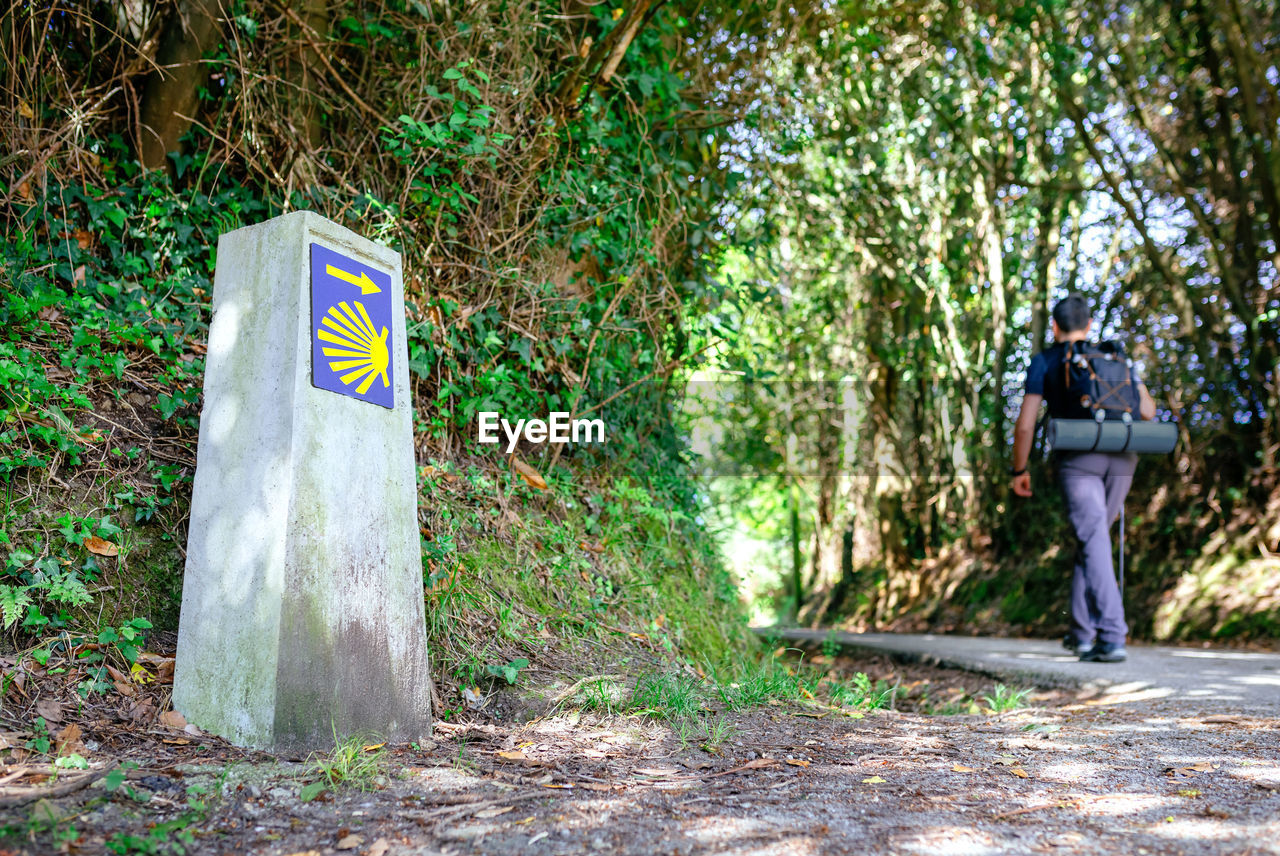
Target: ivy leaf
point(311, 791)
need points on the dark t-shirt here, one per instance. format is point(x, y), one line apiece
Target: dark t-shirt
point(1039, 367)
point(1049, 363)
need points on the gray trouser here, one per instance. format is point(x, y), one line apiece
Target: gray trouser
point(1094, 485)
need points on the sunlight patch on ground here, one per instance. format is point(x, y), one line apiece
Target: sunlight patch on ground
point(1260, 773)
point(948, 841)
point(1052, 658)
point(1188, 832)
point(1221, 655)
point(739, 831)
point(1125, 693)
point(1072, 771)
point(1116, 805)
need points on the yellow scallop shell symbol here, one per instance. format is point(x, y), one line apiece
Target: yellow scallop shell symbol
point(360, 349)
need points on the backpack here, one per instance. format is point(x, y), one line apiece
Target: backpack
point(1092, 382)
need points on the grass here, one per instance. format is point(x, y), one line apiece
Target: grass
point(753, 682)
point(1002, 698)
point(718, 732)
point(860, 694)
point(355, 762)
point(668, 695)
point(831, 644)
point(552, 575)
point(603, 695)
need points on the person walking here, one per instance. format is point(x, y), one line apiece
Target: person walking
point(1094, 485)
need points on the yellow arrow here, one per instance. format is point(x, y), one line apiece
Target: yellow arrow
point(367, 286)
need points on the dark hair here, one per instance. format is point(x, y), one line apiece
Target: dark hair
point(1072, 313)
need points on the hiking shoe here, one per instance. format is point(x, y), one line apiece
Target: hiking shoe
point(1075, 646)
point(1103, 652)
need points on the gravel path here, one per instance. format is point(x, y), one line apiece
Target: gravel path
point(1080, 772)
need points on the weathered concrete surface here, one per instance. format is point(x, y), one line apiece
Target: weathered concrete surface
point(302, 609)
point(1245, 680)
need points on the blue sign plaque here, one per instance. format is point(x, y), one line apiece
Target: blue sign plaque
point(351, 343)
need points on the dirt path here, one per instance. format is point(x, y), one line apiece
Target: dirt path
point(1107, 774)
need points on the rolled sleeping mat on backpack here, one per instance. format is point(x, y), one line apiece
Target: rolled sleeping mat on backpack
point(1111, 435)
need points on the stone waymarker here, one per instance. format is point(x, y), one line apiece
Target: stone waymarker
point(302, 609)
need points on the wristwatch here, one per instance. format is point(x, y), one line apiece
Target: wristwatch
point(1016, 473)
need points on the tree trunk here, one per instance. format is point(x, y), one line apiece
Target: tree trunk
point(1046, 272)
point(169, 100)
point(312, 23)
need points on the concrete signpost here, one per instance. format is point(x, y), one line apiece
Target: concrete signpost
point(302, 609)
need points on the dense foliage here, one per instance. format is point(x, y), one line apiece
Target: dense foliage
point(863, 209)
point(549, 172)
point(959, 168)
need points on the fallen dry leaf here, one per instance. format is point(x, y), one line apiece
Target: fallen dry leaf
point(874, 780)
point(514, 755)
point(1202, 767)
point(758, 763)
point(562, 785)
point(68, 740)
point(495, 811)
point(656, 771)
point(351, 842)
point(1221, 719)
point(50, 709)
point(960, 768)
point(797, 762)
point(531, 476)
point(142, 711)
point(163, 667)
point(595, 786)
point(173, 719)
point(379, 847)
point(100, 546)
point(374, 747)
point(1019, 772)
point(124, 688)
